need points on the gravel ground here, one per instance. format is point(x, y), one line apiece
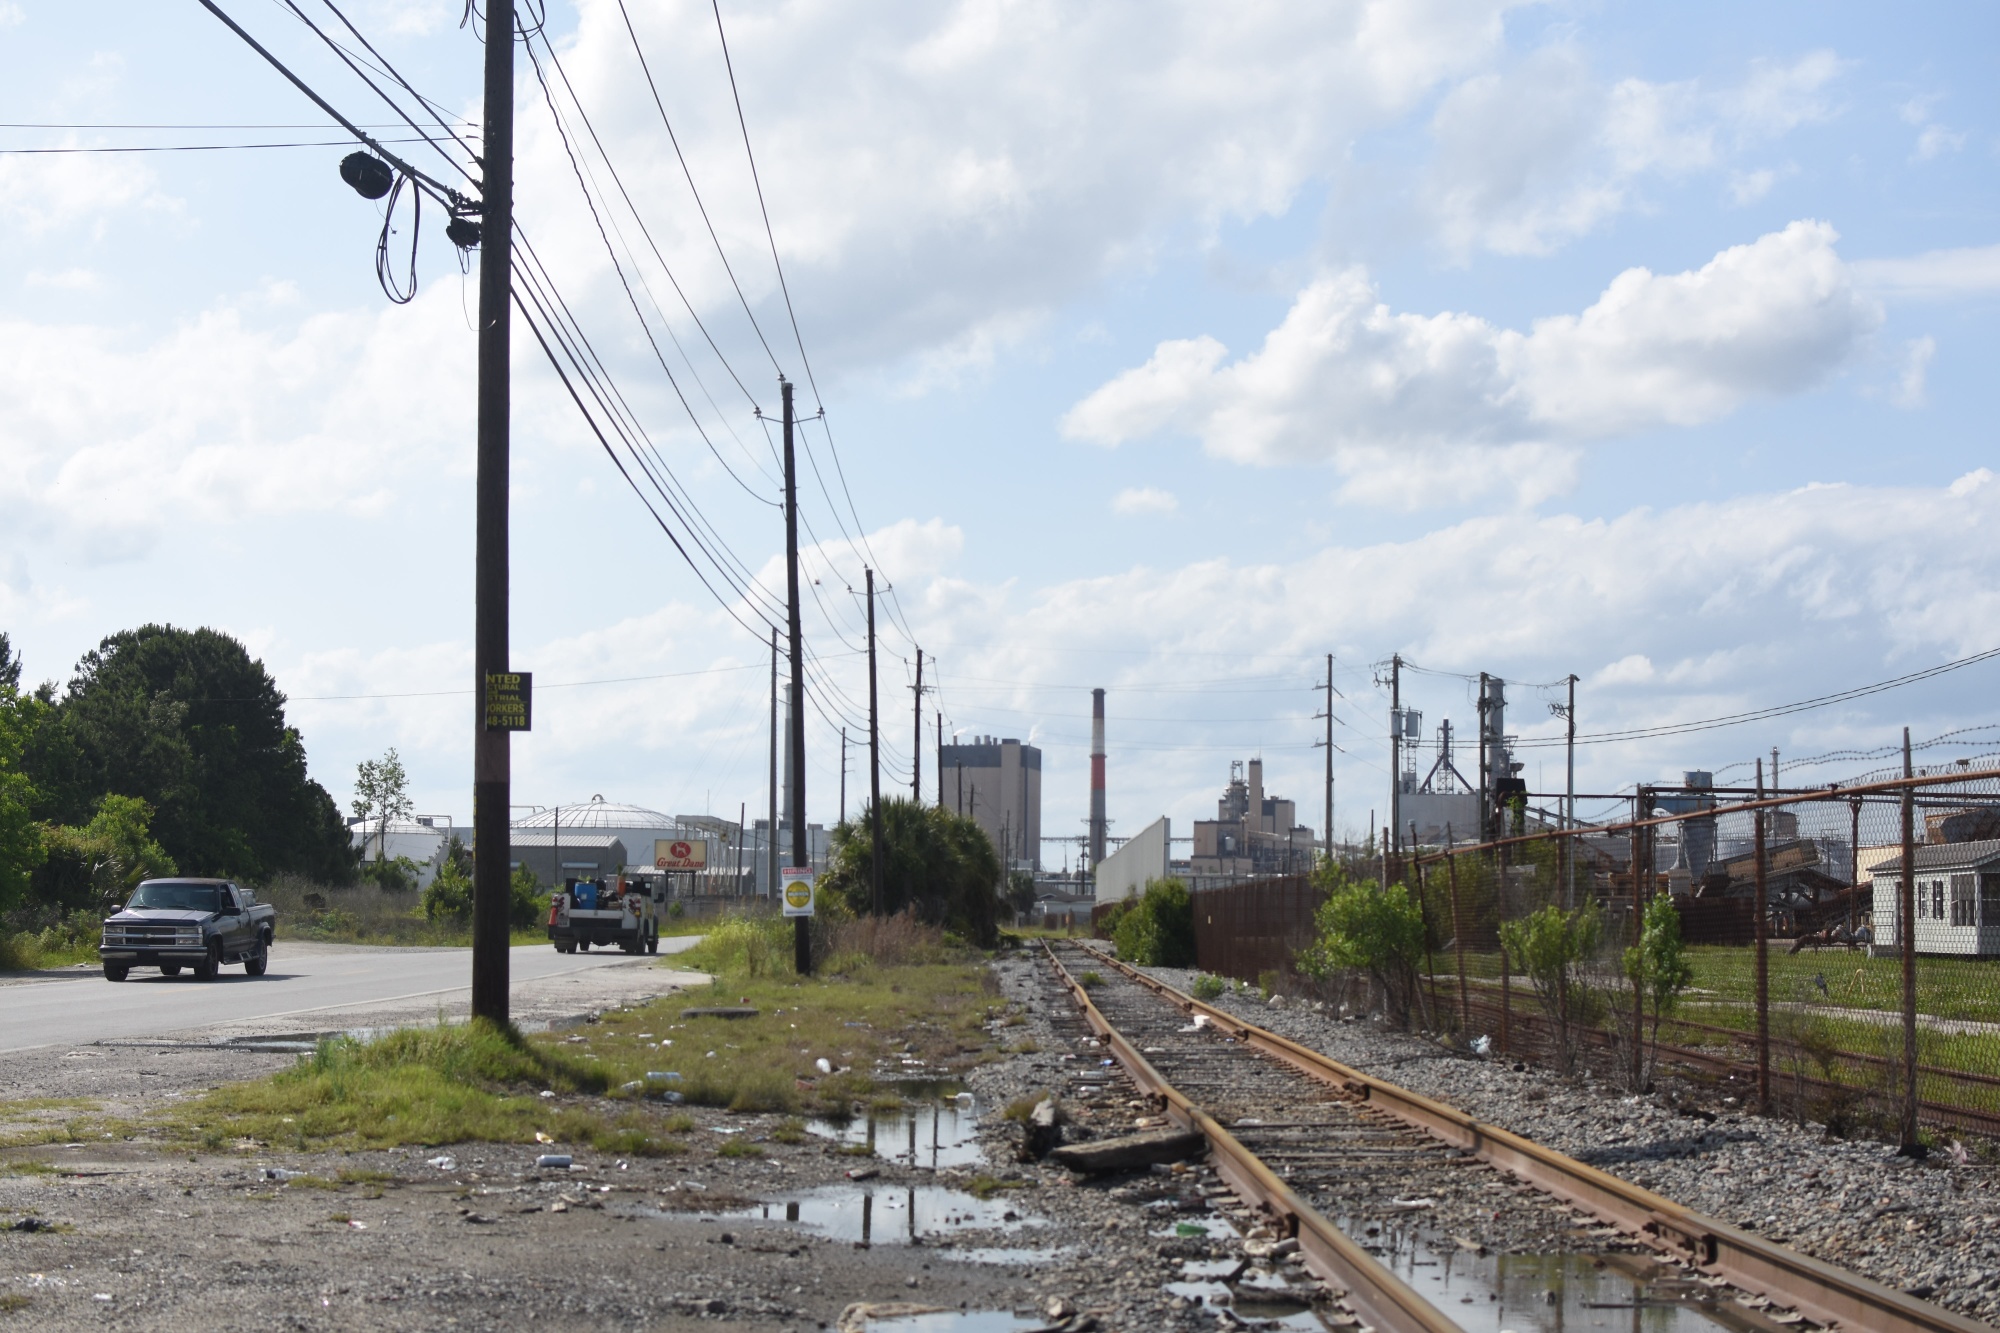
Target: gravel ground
point(1930, 1228)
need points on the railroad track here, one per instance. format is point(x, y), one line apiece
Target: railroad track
point(1350, 1166)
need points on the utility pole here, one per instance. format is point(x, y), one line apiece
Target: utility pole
point(917, 734)
point(1763, 963)
point(742, 814)
point(771, 829)
point(1565, 857)
point(1329, 757)
point(1392, 834)
point(1906, 941)
point(940, 758)
point(492, 749)
point(874, 764)
point(801, 843)
point(843, 775)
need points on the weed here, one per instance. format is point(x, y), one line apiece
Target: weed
point(1021, 1108)
point(680, 1122)
point(1207, 987)
point(342, 1218)
point(790, 1130)
point(1090, 980)
point(312, 1183)
point(1026, 1046)
point(856, 1150)
point(30, 1167)
point(737, 1147)
point(12, 1302)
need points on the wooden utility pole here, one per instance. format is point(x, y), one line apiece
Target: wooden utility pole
point(917, 734)
point(1393, 832)
point(940, 758)
point(771, 830)
point(801, 841)
point(1906, 938)
point(843, 775)
point(1762, 926)
point(1329, 758)
point(874, 764)
point(492, 749)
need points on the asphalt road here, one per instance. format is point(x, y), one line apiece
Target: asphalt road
point(77, 1007)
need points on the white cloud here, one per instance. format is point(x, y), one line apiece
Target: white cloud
point(960, 169)
point(1917, 355)
point(12, 15)
point(1936, 275)
point(42, 194)
point(221, 417)
point(1144, 500)
point(65, 280)
point(1747, 187)
point(1631, 669)
point(1530, 157)
point(1346, 380)
point(1936, 141)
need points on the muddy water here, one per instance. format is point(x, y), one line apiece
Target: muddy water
point(931, 1133)
point(888, 1215)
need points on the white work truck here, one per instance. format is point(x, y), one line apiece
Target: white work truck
point(624, 910)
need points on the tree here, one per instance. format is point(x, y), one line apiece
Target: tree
point(21, 840)
point(188, 722)
point(1361, 927)
point(95, 866)
point(382, 793)
point(936, 863)
point(1552, 947)
point(1658, 965)
point(1021, 892)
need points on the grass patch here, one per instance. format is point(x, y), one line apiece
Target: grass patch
point(29, 1167)
point(13, 1302)
point(1021, 1108)
point(856, 1150)
point(1026, 1046)
point(738, 1147)
point(790, 1130)
point(475, 1082)
point(985, 1187)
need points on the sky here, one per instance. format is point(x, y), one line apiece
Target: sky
point(1165, 348)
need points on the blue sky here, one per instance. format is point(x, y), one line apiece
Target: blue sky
point(1164, 350)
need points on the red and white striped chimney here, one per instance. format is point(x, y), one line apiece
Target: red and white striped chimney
point(1096, 777)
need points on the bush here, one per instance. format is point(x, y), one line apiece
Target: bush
point(1552, 947)
point(937, 864)
point(394, 875)
point(744, 945)
point(1158, 929)
point(527, 905)
point(449, 896)
point(1207, 987)
point(1363, 928)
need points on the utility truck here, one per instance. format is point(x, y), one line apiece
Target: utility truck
point(624, 910)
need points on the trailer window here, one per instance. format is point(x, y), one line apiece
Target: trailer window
point(1961, 901)
point(1989, 899)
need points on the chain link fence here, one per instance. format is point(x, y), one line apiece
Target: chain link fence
point(1832, 954)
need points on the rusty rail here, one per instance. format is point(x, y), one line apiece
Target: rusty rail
point(1377, 1295)
point(1823, 1292)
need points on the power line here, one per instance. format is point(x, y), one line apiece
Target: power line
point(182, 147)
point(1760, 714)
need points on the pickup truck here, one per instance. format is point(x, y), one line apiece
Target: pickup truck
point(199, 924)
point(624, 911)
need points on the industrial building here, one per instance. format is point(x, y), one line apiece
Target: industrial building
point(1142, 858)
point(1957, 900)
point(998, 784)
point(1252, 833)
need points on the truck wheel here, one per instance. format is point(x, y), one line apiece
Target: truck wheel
point(583, 945)
point(116, 971)
point(206, 969)
point(653, 944)
point(258, 961)
point(170, 969)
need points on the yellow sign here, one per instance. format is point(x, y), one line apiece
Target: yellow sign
point(680, 854)
point(509, 702)
point(798, 890)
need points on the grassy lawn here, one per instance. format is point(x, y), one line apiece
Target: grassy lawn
point(475, 1082)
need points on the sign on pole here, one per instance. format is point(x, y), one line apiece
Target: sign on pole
point(797, 882)
point(509, 704)
point(680, 854)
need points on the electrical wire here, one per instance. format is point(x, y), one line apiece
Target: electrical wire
point(181, 147)
point(686, 171)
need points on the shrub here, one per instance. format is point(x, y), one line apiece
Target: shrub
point(394, 875)
point(1552, 947)
point(1206, 987)
point(527, 905)
point(448, 897)
point(1158, 930)
point(1363, 928)
point(744, 945)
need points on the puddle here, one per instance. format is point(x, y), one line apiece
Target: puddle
point(1004, 1256)
point(928, 1133)
point(889, 1215)
point(957, 1321)
point(1556, 1293)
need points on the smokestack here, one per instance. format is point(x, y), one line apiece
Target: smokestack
point(1096, 777)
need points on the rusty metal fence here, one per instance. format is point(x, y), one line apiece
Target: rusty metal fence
point(1838, 953)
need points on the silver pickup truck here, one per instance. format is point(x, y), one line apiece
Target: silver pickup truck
point(199, 924)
